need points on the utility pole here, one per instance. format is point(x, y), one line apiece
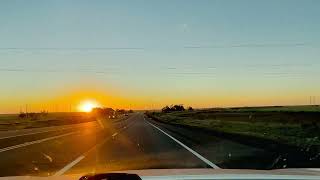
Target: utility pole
point(26, 110)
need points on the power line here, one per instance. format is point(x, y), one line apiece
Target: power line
point(239, 45)
point(75, 48)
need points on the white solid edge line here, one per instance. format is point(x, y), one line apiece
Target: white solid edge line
point(189, 149)
point(33, 142)
point(69, 166)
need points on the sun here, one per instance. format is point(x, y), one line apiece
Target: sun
point(87, 106)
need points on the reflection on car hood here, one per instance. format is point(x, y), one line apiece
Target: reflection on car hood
point(158, 174)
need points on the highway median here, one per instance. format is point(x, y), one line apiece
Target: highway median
point(282, 131)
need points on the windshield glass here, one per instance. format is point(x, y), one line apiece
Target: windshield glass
point(100, 86)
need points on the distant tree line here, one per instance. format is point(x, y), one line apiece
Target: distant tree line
point(103, 111)
point(109, 112)
point(33, 115)
point(173, 108)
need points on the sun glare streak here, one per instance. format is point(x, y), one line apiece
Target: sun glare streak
point(87, 106)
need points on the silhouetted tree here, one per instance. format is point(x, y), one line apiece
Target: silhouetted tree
point(166, 109)
point(120, 111)
point(44, 113)
point(190, 108)
point(22, 115)
point(108, 111)
point(33, 116)
point(177, 108)
point(102, 111)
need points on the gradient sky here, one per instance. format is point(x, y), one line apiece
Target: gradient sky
point(147, 54)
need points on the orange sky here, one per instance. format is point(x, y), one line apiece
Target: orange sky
point(53, 57)
point(70, 100)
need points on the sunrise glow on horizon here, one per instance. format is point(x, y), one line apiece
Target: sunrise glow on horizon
point(88, 105)
point(55, 55)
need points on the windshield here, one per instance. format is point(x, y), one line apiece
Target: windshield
point(100, 86)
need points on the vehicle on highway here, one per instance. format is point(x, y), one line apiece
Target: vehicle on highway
point(166, 89)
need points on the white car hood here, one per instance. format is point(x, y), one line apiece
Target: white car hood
point(157, 174)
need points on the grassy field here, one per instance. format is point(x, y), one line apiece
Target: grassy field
point(302, 108)
point(291, 125)
point(13, 122)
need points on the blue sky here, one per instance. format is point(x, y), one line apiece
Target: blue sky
point(202, 53)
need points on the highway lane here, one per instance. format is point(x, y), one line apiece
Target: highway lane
point(11, 138)
point(33, 131)
point(146, 145)
point(139, 146)
point(45, 158)
point(134, 143)
point(19, 137)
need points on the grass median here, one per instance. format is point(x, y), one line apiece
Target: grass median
point(290, 127)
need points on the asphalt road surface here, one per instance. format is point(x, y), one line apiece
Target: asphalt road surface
point(134, 143)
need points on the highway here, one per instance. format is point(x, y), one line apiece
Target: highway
point(134, 143)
